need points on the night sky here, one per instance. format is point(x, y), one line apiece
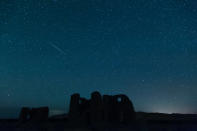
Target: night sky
point(146, 49)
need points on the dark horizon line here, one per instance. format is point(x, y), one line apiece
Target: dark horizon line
point(14, 118)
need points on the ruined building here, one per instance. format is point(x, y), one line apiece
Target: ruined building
point(34, 114)
point(96, 110)
point(106, 109)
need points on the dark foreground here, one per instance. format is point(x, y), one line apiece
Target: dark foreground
point(99, 113)
point(145, 122)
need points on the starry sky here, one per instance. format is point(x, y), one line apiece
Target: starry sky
point(50, 49)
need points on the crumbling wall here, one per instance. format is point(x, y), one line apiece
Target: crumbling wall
point(24, 114)
point(34, 114)
point(106, 108)
point(39, 114)
point(74, 110)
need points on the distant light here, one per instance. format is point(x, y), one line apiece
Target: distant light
point(164, 110)
point(56, 112)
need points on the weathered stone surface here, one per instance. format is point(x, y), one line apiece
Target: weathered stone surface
point(39, 114)
point(101, 109)
point(34, 114)
point(96, 99)
point(74, 110)
point(124, 109)
point(24, 114)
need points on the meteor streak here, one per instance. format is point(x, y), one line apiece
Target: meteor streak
point(58, 49)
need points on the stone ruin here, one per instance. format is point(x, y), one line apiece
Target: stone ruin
point(101, 109)
point(96, 110)
point(34, 114)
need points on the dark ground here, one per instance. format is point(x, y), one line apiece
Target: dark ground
point(145, 122)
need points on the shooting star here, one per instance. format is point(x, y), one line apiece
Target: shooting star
point(58, 49)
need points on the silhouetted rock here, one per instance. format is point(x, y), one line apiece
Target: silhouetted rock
point(39, 114)
point(34, 114)
point(101, 109)
point(24, 114)
point(124, 109)
point(74, 110)
point(96, 99)
point(99, 113)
